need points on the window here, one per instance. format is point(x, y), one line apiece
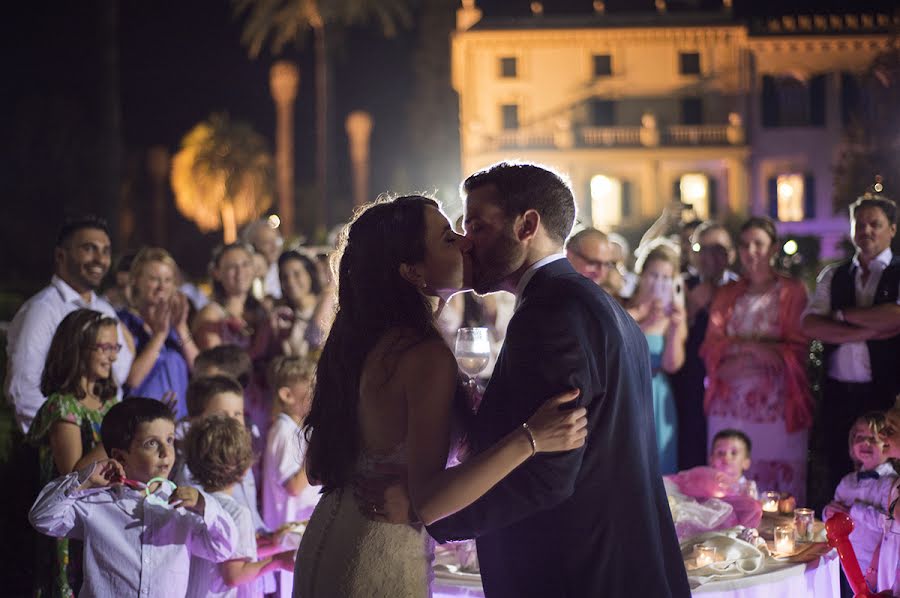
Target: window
point(689, 63)
point(793, 102)
point(692, 111)
point(510, 115)
point(789, 196)
point(693, 188)
point(603, 113)
point(508, 67)
point(602, 65)
point(606, 202)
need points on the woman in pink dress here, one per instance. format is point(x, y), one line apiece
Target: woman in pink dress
point(755, 355)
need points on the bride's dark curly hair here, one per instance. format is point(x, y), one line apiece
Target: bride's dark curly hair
point(372, 298)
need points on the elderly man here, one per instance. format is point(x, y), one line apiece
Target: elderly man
point(267, 242)
point(82, 259)
point(591, 255)
point(855, 312)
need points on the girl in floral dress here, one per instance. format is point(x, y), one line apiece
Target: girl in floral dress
point(755, 355)
point(80, 388)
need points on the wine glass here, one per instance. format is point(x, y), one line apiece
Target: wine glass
point(473, 352)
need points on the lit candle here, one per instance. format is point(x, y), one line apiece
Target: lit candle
point(770, 502)
point(706, 555)
point(784, 539)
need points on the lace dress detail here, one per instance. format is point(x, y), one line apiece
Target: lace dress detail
point(754, 402)
point(345, 554)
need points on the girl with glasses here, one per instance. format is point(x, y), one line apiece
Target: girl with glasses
point(78, 380)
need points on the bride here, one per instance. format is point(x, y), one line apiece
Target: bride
point(387, 394)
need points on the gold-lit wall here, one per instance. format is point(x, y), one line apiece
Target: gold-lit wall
point(534, 92)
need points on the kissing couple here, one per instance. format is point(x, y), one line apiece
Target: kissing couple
point(561, 485)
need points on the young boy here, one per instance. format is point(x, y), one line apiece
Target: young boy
point(219, 454)
point(220, 395)
point(224, 360)
point(863, 493)
point(287, 493)
point(138, 538)
point(730, 457)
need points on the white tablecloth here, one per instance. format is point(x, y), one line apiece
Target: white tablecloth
point(816, 579)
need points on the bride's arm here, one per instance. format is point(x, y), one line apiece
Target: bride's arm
point(430, 382)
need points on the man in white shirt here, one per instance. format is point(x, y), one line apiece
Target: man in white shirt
point(855, 312)
point(82, 259)
point(267, 242)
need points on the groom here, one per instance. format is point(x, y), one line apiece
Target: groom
point(589, 522)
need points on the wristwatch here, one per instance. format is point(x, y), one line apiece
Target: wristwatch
point(838, 315)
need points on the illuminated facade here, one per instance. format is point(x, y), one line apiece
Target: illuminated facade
point(731, 117)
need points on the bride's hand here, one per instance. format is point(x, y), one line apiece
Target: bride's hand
point(555, 430)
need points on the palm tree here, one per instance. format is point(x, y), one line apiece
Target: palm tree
point(284, 21)
point(222, 176)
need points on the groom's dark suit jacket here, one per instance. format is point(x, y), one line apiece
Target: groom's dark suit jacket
point(594, 522)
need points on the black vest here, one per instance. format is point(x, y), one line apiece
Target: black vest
point(884, 355)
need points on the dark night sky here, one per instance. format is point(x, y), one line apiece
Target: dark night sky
point(180, 61)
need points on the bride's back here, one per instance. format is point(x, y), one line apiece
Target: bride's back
point(382, 399)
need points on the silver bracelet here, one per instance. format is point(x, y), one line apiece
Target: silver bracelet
point(530, 438)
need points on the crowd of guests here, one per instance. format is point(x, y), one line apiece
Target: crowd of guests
point(190, 402)
point(216, 388)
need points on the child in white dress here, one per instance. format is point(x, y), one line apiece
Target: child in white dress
point(287, 494)
point(886, 564)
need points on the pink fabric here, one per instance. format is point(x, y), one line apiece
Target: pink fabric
point(790, 342)
point(704, 483)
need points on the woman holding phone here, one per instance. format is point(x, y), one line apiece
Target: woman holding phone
point(755, 355)
point(658, 307)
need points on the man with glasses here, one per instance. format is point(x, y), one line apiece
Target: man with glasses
point(714, 255)
point(591, 254)
point(82, 259)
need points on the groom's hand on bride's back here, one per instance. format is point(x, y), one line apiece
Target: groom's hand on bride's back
point(384, 497)
point(556, 427)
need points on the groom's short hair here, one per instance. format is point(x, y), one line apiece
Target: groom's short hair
point(523, 186)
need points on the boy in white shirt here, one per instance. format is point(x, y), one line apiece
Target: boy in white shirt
point(884, 574)
point(218, 452)
point(287, 493)
point(139, 533)
point(863, 493)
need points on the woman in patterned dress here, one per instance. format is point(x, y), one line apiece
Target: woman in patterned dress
point(80, 388)
point(755, 355)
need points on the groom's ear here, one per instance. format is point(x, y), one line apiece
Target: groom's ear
point(412, 275)
point(528, 225)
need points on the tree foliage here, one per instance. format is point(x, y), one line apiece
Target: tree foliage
point(222, 176)
point(871, 146)
point(285, 21)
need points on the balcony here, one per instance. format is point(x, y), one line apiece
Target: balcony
point(646, 135)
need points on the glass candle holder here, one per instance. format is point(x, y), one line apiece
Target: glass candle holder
point(804, 519)
point(770, 501)
point(784, 539)
point(706, 555)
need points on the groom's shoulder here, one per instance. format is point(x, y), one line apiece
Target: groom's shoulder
point(574, 289)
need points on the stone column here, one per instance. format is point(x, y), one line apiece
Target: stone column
point(158, 169)
point(284, 78)
point(359, 130)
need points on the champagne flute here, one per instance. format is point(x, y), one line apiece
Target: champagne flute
point(473, 352)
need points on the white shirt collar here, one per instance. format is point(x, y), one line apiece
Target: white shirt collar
point(532, 269)
point(68, 294)
point(885, 469)
point(883, 260)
